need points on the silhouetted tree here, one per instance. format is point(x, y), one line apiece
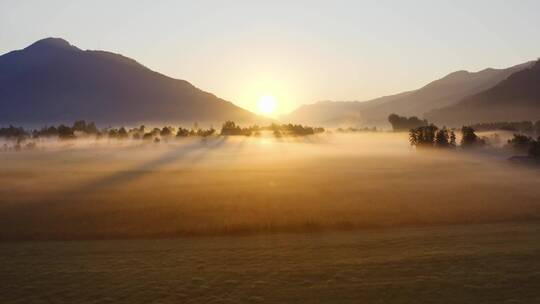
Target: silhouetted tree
point(155, 131)
point(423, 136)
point(122, 133)
point(45, 132)
point(65, 132)
point(442, 138)
point(205, 133)
point(166, 132)
point(452, 139)
point(83, 126)
point(79, 125)
point(112, 133)
point(182, 132)
point(13, 132)
point(469, 138)
point(230, 128)
point(402, 123)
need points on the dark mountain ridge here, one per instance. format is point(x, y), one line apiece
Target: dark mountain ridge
point(52, 81)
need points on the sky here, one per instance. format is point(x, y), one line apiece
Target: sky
point(299, 52)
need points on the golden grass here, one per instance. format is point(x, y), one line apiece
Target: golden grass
point(242, 185)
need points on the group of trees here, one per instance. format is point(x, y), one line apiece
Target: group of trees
point(402, 123)
point(433, 136)
point(294, 130)
point(168, 132)
point(527, 127)
point(422, 134)
point(82, 129)
point(231, 128)
point(13, 132)
point(523, 143)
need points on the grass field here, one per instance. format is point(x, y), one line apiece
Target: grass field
point(493, 263)
point(330, 219)
point(241, 185)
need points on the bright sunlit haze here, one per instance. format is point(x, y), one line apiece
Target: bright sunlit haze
point(267, 105)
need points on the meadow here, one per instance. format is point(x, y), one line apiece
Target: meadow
point(244, 185)
point(333, 218)
point(478, 263)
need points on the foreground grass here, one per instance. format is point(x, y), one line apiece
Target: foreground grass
point(493, 263)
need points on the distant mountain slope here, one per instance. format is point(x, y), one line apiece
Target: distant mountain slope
point(52, 81)
point(336, 112)
point(437, 94)
point(513, 99)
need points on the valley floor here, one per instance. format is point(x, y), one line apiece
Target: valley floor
point(493, 263)
point(330, 219)
point(239, 185)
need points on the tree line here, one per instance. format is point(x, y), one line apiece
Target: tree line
point(403, 123)
point(82, 128)
point(527, 127)
point(431, 136)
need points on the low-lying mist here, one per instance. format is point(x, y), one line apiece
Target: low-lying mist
point(84, 189)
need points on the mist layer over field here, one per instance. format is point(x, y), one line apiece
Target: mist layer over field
point(237, 185)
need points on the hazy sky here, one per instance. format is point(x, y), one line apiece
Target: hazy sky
point(298, 51)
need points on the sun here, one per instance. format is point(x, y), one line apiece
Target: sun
point(267, 104)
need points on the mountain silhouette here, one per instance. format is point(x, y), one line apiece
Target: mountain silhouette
point(514, 99)
point(440, 93)
point(52, 81)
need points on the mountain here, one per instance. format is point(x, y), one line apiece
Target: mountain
point(440, 93)
point(335, 113)
point(514, 99)
point(52, 81)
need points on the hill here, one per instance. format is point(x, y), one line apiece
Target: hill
point(513, 99)
point(52, 81)
point(440, 93)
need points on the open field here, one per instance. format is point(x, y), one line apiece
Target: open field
point(372, 221)
point(493, 263)
point(238, 185)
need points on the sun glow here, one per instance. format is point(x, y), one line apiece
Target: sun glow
point(267, 105)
